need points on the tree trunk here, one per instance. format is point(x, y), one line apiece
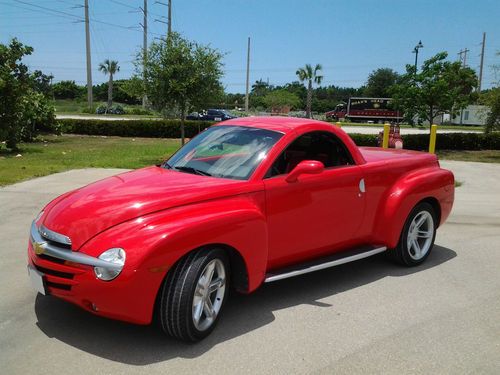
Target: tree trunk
point(183, 113)
point(110, 91)
point(309, 99)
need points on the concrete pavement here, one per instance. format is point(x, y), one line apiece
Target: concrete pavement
point(370, 316)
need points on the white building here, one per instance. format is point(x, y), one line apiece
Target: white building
point(471, 115)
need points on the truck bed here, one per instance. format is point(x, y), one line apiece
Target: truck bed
point(377, 154)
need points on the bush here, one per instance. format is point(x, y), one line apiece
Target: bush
point(171, 129)
point(444, 141)
point(138, 111)
point(132, 128)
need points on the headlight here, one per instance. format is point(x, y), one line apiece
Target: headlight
point(115, 256)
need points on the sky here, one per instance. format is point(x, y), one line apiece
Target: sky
point(350, 38)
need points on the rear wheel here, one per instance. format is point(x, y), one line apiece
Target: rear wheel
point(417, 237)
point(193, 294)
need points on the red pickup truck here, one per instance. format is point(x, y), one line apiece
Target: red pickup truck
point(248, 201)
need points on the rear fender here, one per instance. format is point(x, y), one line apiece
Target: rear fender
point(406, 193)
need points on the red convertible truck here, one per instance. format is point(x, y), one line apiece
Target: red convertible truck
point(248, 201)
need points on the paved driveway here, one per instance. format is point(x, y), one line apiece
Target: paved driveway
point(365, 317)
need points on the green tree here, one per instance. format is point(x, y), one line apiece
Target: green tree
point(181, 74)
point(380, 83)
point(278, 99)
point(42, 82)
point(22, 108)
point(259, 90)
point(109, 67)
point(67, 90)
point(310, 75)
point(440, 87)
point(491, 98)
point(133, 88)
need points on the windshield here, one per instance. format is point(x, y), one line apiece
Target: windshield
point(224, 151)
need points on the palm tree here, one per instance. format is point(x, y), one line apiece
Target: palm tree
point(310, 75)
point(110, 67)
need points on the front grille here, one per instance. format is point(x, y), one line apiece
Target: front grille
point(47, 271)
point(55, 243)
point(51, 259)
point(58, 285)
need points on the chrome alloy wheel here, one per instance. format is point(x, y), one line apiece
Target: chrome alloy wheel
point(420, 235)
point(209, 294)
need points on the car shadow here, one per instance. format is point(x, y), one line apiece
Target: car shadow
point(142, 345)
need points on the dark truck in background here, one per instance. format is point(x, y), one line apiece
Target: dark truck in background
point(365, 110)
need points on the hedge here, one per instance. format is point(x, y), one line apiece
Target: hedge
point(132, 128)
point(171, 129)
point(444, 141)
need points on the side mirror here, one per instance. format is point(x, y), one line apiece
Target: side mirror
point(305, 167)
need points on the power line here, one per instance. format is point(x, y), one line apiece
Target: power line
point(49, 9)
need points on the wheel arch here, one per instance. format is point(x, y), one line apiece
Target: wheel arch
point(237, 265)
point(433, 185)
point(436, 207)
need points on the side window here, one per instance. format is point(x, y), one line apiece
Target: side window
point(321, 146)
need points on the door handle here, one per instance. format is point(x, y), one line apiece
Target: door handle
point(362, 187)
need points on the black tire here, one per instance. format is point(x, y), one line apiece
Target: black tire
point(175, 308)
point(402, 254)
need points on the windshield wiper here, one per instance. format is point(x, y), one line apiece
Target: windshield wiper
point(192, 170)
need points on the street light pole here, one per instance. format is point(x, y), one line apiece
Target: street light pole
point(415, 51)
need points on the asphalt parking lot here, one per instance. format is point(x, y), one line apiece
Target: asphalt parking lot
point(365, 317)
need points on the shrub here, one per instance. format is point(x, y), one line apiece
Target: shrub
point(444, 141)
point(132, 128)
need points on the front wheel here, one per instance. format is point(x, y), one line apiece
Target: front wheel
point(193, 294)
point(417, 237)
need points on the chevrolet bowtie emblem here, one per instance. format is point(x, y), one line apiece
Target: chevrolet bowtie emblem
point(38, 248)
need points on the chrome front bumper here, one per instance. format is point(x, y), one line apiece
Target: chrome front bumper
point(44, 246)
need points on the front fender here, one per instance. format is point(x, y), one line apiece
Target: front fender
point(406, 193)
point(155, 242)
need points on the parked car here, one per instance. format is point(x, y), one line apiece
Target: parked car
point(211, 115)
point(248, 201)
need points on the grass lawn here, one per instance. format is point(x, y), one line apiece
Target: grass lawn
point(60, 153)
point(485, 156)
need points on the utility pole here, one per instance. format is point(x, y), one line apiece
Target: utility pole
point(248, 75)
point(169, 30)
point(482, 63)
point(144, 51)
point(169, 16)
point(463, 53)
point(89, 62)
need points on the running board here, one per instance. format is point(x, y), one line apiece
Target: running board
point(331, 261)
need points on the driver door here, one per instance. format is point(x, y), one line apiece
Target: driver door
point(317, 214)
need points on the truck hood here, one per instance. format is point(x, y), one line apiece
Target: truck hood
point(85, 212)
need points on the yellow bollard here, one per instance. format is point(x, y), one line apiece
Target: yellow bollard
point(432, 142)
point(338, 124)
point(385, 140)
